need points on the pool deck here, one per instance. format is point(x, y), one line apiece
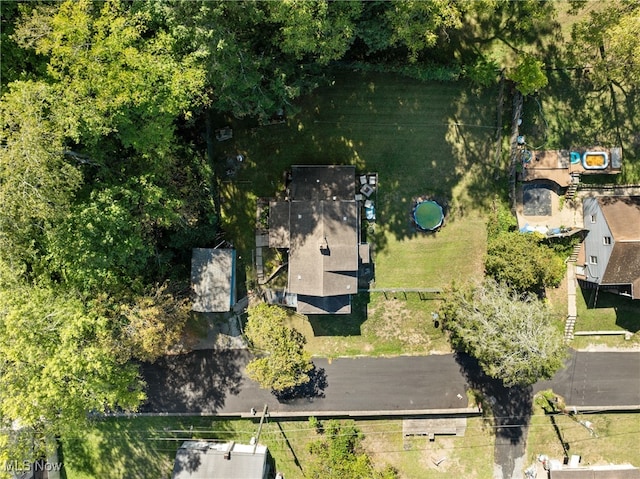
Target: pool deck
point(567, 216)
point(556, 165)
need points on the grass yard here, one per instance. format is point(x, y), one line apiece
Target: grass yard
point(384, 326)
point(612, 445)
point(470, 456)
point(568, 113)
point(612, 313)
point(145, 447)
point(424, 139)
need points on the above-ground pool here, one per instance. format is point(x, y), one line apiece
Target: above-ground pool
point(575, 157)
point(595, 160)
point(428, 215)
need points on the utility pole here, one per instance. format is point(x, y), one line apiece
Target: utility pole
point(264, 414)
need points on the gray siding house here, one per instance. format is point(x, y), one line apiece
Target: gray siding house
point(610, 257)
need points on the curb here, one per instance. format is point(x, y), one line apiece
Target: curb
point(468, 411)
point(604, 409)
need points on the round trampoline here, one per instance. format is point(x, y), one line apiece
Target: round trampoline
point(428, 215)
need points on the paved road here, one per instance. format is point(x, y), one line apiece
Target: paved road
point(212, 382)
point(598, 379)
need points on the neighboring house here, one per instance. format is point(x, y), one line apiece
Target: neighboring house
point(207, 460)
point(213, 279)
point(596, 472)
point(610, 256)
point(319, 224)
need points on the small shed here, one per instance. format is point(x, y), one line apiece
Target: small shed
point(213, 279)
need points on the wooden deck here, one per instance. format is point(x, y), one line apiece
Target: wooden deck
point(555, 165)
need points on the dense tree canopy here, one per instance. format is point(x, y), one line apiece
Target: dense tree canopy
point(511, 335)
point(56, 365)
point(522, 261)
point(283, 362)
point(607, 43)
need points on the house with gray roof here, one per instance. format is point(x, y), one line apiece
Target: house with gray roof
point(610, 255)
point(229, 460)
point(319, 224)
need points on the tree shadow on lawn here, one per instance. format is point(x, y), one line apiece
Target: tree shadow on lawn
point(627, 310)
point(196, 382)
point(119, 447)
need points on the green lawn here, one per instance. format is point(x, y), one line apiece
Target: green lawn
point(391, 325)
point(142, 447)
point(612, 313)
point(470, 456)
point(145, 447)
point(424, 139)
point(615, 433)
point(569, 114)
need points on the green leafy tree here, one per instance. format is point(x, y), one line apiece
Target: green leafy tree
point(56, 367)
point(510, 334)
point(528, 75)
point(417, 24)
point(607, 43)
point(37, 182)
point(285, 363)
point(339, 454)
point(316, 29)
point(147, 326)
point(112, 75)
point(522, 261)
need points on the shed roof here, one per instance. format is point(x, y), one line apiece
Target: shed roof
point(205, 460)
point(602, 472)
point(213, 279)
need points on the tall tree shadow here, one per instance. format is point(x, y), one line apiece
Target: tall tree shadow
point(195, 382)
point(305, 392)
point(511, 406)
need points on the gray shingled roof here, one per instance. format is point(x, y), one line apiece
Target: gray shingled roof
point(323, 259)
point(213, 279)
point(320, 226)
point(312, 183)
point(205, 460)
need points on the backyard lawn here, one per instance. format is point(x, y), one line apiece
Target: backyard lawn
point(423, 139)
point(611, 313)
